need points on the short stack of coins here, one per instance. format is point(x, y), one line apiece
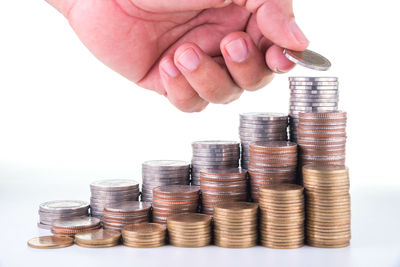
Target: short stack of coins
point(116, 216)
point(144, 235)
point(75, 225)
point(100, 238)
point(322, 138)
point(59, 210)
point(174, 199)
point(282, 215)
point(260, 126)
point(111, 191)
point(157, 173)
point(271, 162)
point(235, 224)
point(222, 185)
point(328, 211)
point(311, 94)
point(189, 230)
point(213, 155)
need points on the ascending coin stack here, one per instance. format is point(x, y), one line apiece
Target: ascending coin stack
point(270, 163)
point(174, 199)
point(157, 173)
point(282, 215)
point(116, 216)
point(100, 238)
point(260, 126)
point(222, 185)
point(322, 138)
point(213, 155)
point(235, 224)
point(74, 226)
point(328, 212)
point(61, 209)
point(189, 230)
point(311, 94)
point(144, 235)
point(111, 191)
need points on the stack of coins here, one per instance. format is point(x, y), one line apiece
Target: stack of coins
point(189, 230)
point(260, 126)
point(117, 215)
point(282, 215)
point(322, 138)
point(213, 155)
point(61, 209)
point(311, 94)
point(328, 212)
point(50, 242)
point(235, 224)
point(222, 185)
point(144, 235)
point(75, 225)
point(110, 191)
point(100, 238)
point(157, 173)
point(271, 162)
point(174, 199)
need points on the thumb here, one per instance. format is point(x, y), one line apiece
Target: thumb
point(275, 19)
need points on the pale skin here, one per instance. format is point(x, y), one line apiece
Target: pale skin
point(193, 52)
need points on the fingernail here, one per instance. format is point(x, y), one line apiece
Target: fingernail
point(298, 34)
point(189, 59)
point(237, 50)
point(169, 68)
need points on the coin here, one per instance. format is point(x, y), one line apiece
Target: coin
point(98, 238)
point(308, 59)
point(144, 235)
point(48, 242)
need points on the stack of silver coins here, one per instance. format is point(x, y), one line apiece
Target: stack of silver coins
point(157, 173)
point(111, 191)
point(213, 155)
point(311, 94)
point(260, 126)
point(51, 211)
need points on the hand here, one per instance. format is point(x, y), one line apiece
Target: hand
point(192, 51)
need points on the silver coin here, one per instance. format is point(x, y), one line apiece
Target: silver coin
point(331, 93)
point(313, 79)
point(114, 184)
point(314, 87)
point(77, 222)
point(165, 164)
point(130, 206)
point(63, 205)
point(313, 104)
point(214, 144)
point(315, 84)
point(308, 59)
point(313, 109)
point(263, 116)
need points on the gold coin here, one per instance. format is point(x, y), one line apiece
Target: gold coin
point(328, 244)
point(47, 242)
point(98, 237)
point(97, 246)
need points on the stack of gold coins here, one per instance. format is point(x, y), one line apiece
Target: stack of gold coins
point(235, 224)
point(49, 242)
point(144, 235)
point(174, 199)
point(222, 185)
point(75, 225)
point(100, 238)
point(115, 216)
point(282, 215)
point(189, 230)
point(270, 163)
point(328, 213)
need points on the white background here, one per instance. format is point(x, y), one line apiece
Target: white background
point(66, 119)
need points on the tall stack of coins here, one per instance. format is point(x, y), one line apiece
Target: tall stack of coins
point(322, 138)
point(189, 230)
point(75, 225)
point(111, 191)
point(282, 215)
point(100, 238)
point(271, 162)
point(61, 209)
point(157, 173)
point(235, 224)
point(174, 199)
point(117, 215)
point(328, 212)
point(260, 126)
point(311, 94)
point(144, 235)
point(213, 155)
point(222, 185)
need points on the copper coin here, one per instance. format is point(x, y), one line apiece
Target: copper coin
point(47, 242)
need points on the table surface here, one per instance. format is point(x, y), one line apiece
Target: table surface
point(375, 237)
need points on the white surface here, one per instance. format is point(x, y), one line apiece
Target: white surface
point(375, 242)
